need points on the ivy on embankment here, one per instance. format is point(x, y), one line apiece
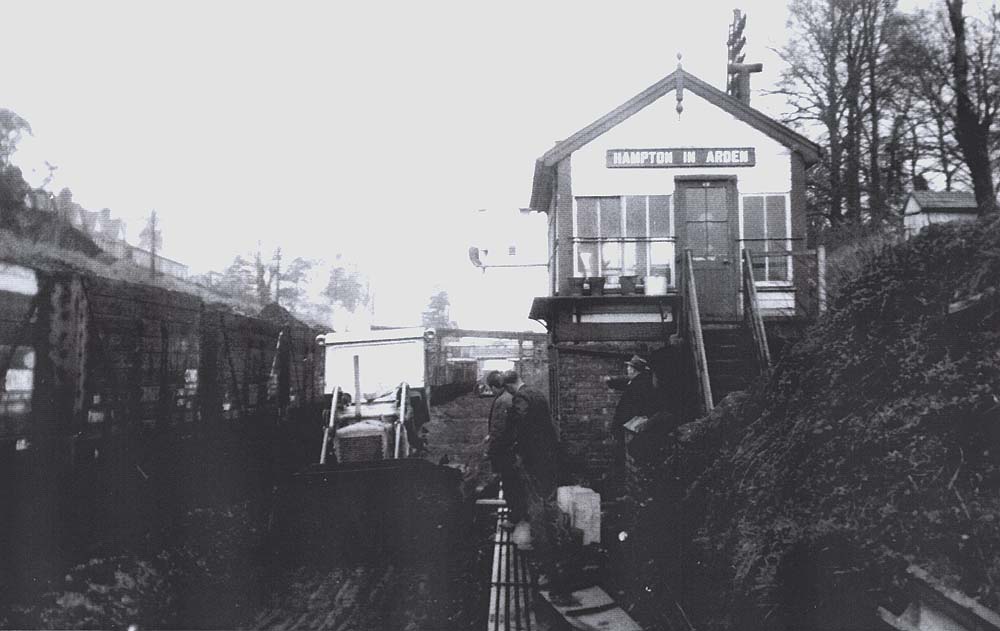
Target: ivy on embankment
point(874, 444)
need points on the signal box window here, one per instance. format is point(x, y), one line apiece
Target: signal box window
point(766, 235)
point(629, 235)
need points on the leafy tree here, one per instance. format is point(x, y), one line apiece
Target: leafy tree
point(291, 291)
point(151, 239)
point(345, 286)
point(13, 188)
point(316, 313)
point(438, 311)
point(12, 129)
point(238, 280)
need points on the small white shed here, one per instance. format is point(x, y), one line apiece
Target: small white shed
point(926, 207)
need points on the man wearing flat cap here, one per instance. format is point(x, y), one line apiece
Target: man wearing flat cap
point(638, 395)
point(639, 398)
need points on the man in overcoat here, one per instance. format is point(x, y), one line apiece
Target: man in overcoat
point(527, 440)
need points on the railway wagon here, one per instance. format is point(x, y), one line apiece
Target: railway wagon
point(86, 359)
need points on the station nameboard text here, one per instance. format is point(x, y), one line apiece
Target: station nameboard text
point(684, 157)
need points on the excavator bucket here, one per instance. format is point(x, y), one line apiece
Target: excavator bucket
point(378, 507)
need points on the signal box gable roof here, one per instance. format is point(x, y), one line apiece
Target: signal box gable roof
point(944, 201)
point(541, 191)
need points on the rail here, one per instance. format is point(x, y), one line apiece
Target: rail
point(691, 330)
point(512, 589)
point(752, 316)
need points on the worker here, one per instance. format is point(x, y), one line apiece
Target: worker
point(524, 449)
point(638, 394)
point(639, 398)
point(501, 399)
point(482, 469)
point(531, 438)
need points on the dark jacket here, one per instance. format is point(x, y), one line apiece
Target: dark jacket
point(528, 435)
point(498, 411)
point(639, 398)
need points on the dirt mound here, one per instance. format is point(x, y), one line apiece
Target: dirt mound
point(873, 445)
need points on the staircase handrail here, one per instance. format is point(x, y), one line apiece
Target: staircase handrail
point(331, 426)
point(692, 331)
point(752, 316)
point(403, 394)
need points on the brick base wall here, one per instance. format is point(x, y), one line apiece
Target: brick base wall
point(584, 405)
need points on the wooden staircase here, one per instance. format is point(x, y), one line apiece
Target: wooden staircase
point(725, 355)
point(730, 357)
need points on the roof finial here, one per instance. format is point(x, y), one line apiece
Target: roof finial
point(680, 87)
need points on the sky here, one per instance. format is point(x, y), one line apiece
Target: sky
point(378, 130)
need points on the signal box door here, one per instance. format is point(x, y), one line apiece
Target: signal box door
point(707, 224)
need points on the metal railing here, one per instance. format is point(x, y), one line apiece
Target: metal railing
point(690, 328)
point(800, 273)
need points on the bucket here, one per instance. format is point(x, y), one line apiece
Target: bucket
point(627, 284)
point(656, 285)
point(596, 285)
point(583, 506)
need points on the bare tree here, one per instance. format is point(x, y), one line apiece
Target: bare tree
point(813, 85)
point(893, 101)
point(151, 239)
point(264, 277)
point(976, 99)
point(953, 71)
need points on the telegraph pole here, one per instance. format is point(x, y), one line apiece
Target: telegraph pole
point(738, 72)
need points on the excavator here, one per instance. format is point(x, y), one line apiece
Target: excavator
point(368, 478)
point(391, 396)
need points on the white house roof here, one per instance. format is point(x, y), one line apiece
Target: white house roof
point(944, 201)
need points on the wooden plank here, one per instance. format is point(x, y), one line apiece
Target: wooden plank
point(693, 320)
point(591, 608)
point(970, 302)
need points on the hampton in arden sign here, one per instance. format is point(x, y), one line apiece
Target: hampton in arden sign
point(683, 157)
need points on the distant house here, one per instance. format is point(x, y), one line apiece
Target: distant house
point(107, 233)
point(40, 200)
point(926, 207)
